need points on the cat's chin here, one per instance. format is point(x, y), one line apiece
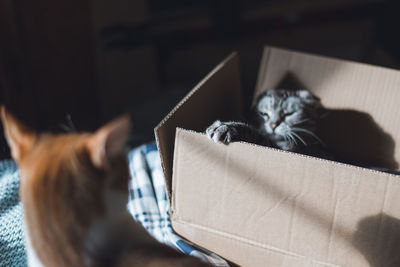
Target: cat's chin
point(284, 145)
point(276, 138)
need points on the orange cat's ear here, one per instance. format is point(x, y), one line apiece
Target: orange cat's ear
point(109, 141)
point(19, 137)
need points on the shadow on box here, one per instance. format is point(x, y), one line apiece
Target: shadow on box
point(353, 136)
point(358, 140)
point(377, 237)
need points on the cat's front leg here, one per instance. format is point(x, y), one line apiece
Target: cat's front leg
point(224, 132)
point(227, 132)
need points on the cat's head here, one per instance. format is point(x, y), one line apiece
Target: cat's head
point(287, 117)
point(65, 183)
point(74, 189)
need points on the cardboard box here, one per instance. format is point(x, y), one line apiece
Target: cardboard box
point(258, 206)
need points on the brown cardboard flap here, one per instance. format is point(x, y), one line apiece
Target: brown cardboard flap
point(362, 122)
point(217, 96)
point(258, 206)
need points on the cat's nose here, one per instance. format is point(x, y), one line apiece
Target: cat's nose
point(273, 126)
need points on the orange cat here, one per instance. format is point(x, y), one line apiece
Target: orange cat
point(74, 189)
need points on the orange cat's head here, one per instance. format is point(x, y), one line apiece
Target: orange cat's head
point(65, 181)
point(74, 189)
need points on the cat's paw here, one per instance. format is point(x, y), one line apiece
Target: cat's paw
point(222, 132)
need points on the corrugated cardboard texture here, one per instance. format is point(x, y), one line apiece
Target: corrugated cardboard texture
point(263, 207)
point(217, 96)
point(362, 124)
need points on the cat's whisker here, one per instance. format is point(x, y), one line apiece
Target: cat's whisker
point(300, 122)
point(294, 129)
point(70, 123)
point(65, 128)
point(298, 137)
point(292, 138)
point(69, 126)
point(288, 140)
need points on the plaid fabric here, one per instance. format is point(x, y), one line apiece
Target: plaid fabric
point(149, 205)
point(12, 249)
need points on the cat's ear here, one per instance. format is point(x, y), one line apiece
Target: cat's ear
point(308, 97)
point(109, 141)
point(19, 136)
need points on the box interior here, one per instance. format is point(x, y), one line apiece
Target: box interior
point(361, 124)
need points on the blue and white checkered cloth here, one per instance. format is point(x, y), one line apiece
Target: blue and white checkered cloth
point(12, 248)
point(148, 204)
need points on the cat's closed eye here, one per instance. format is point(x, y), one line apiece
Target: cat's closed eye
point(264, 114)
point(287, 114)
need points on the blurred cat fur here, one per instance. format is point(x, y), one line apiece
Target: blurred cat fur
point(74, 190)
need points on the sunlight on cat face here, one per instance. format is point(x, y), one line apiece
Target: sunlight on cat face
point(286, 115)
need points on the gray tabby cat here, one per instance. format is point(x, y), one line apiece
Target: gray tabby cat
point(283, 119)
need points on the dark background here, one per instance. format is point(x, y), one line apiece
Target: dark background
point(93, 60)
